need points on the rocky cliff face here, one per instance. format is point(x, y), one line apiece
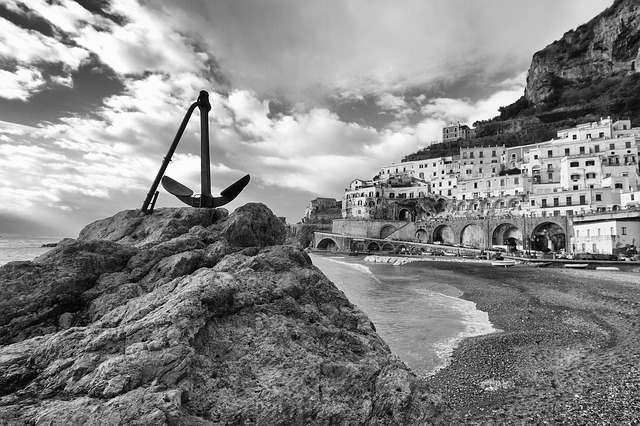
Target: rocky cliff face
point(608, 45)
point(189, 317)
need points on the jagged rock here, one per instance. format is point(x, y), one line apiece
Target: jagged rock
point(200, 319)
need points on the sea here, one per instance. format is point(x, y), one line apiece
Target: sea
point(420, 315)
point(421, 318)
point(23, 247)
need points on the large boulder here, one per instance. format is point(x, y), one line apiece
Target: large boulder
point(191, 317)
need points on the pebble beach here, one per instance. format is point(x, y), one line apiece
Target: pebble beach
point(568, 351)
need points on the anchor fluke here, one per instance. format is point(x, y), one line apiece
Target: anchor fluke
point(176, 188)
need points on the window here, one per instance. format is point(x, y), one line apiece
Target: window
point(550, 176)
point(574, 137)
point(493, 153)
point(574, 164)
point(618, 186)
point(568, 201)
point(583, 199)
point(516, 181)
point(549, 154)
point(533, 202)
point(611, 231)
point(471, 155)
point(544, 202)
point(590, 163)
point(488, 184)
point(535, 157)
point(575, 177)
point(577, 233)
point(627, 144)
point(591, 175)
point(566, 151)
point(575, 187)
point(481, 154)
point(556, 202)
point(601, 135)
point(588, 135)
point(588, 232)
point(598, 197)
point(624, 230)
point(598, 232)
point(596, 148)
point(612, 146)
point(582, 150)
point(392, 195)
point(556, 212)
point(501, 182)
point(569, 212)
point(475, 185)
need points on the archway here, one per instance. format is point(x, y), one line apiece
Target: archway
point(327, 244)
point(373, 246)
point(401, 249)
point(388, 247)
point(404, 214)
point(473, 236)
point(386, 230)
point(548, 236)
point(443, 234)
point(507, 234)
point(421, 235)
point(357, 246)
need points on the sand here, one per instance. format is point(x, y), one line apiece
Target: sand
point(568, 351)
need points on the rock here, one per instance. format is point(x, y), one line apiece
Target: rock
point(189, 317)
point(606, 46)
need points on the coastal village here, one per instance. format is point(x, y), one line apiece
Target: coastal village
point(574, 195)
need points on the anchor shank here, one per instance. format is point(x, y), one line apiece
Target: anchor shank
point(205, 160)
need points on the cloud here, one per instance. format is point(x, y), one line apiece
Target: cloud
point(21, 83)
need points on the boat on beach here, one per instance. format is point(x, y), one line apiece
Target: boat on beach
point(576, 265)
point(503, 263)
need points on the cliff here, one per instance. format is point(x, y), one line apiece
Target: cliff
point(603, 51)
point(189, 317)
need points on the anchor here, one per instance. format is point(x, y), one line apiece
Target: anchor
point(183, 193)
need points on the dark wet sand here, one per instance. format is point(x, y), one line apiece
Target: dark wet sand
point(568, 353)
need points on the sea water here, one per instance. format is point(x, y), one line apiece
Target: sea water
point(420, 317)
point(23, 247)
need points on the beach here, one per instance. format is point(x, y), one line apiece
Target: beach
point(568, 351)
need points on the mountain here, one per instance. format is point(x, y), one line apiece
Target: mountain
point(591, 72)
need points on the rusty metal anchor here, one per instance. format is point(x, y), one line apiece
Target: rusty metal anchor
point(183, 193)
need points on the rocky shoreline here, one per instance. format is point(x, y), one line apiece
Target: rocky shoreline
point(198, 317)
point(192, 317)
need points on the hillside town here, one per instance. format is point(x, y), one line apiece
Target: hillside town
point(588, 175)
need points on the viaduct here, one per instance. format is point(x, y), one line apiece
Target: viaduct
point(482, 232)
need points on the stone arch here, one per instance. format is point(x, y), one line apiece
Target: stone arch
point(401, 248)
point(441, 205)
point(548, 236)
point(443, 234)
point(327, 244)
point(473, 235)
point(387, 230)
point(388, 247)
point(357, 246)
point(404, 214)
point(373, 246)
point(422, 235)
point(507, 234)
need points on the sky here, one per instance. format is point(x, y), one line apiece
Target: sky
point(306, 95)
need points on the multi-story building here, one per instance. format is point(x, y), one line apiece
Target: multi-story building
point(456, 131)
point(589, 169)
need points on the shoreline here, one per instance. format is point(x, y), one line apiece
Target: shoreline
point(568, 351)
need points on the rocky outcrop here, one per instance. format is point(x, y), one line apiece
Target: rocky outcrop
point(607, 45)
point(189, 317)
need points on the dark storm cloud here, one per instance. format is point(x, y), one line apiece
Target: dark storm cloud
point(92, 82)
point(27, 19)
